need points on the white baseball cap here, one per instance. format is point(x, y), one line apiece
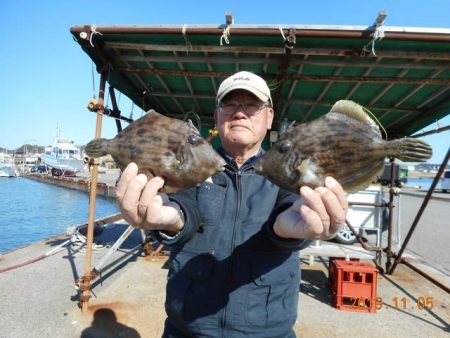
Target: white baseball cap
point(247, 81)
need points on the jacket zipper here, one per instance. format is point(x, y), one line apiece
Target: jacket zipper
point(233, 240)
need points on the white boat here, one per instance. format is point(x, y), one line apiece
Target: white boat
point(63, 157)
point(7, 167)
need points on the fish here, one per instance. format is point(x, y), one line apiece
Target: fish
point(346, 143)
point(162, 146)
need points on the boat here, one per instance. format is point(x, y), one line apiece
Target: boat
point(7, 167)
point(63, 157)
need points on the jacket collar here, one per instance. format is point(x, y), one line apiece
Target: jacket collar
point(248, 164)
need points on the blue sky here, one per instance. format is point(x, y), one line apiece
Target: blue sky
point(46, 79)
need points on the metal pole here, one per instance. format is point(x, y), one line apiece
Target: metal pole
point(115, 108)
point(84, 298)
point(261, 31)
point(431, 132)
point(357, 235)
point(391, 211)
point(399, 221)
point(420, 212)
point(98, 268)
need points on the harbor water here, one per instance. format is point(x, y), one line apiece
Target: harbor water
point(423, 183)
point(32, 211)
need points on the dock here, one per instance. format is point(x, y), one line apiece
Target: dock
point(40, 299)
point(106, 185)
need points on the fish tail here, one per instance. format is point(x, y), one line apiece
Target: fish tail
point(409, 150)
point(97, 147)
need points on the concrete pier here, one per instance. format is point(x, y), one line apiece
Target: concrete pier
point(40, 300)
point(106, 185)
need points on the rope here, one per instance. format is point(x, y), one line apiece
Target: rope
point(225, 35)
point(89, 177)
point(376, 120)
point(378, 34)
point(188, 44)
point(280, 27)
point(275, 84)
point(78, 239)
point(197, 119)
point(93, 31)
point(36, 259)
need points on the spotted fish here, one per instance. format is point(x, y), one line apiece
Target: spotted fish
point(346, 143)
point(162, 146)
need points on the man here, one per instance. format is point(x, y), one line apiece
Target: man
point(234, 265)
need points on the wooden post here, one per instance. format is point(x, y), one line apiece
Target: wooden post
point(92, 198)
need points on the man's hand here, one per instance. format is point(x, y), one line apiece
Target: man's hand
point(142, 206)
point(318, 214)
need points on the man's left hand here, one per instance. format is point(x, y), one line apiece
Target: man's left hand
point(318, 214)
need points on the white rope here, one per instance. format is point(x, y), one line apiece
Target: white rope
point(188, 44)
point(377, 35)
point(79, 240)
point(93, 31)
point(225, 35)
point(280, 27)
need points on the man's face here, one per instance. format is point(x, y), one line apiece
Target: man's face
point(241, 128)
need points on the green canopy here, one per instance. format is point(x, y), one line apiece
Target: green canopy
point(400, 74)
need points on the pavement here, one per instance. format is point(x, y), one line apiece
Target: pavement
point(40, 299)
point(401, 313)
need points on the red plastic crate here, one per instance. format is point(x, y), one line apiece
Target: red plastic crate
point(331, 266)
point(354, 285)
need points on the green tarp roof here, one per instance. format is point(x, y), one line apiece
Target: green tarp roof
point(402, 78)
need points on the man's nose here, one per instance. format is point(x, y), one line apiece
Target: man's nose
point(239, 111)
point(239, 114)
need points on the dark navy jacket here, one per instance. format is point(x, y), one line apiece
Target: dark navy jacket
point(229, 274)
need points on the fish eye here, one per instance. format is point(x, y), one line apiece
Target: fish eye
point(194, 139)
point(285, 146)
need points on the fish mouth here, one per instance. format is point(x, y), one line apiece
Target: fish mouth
point(222, 164)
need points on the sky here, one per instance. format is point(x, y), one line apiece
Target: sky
point(46, 79)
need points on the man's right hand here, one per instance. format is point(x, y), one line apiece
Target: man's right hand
point(141, 204)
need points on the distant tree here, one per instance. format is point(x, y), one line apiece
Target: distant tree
point(30, 149)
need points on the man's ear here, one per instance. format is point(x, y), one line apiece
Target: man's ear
point(270, 116)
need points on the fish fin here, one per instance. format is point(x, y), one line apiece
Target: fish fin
point(171, 162)
point(372, 176)
point(97, 147)
point(308, 173)
point(409, 150)
point(193, 127)
point(355, 111)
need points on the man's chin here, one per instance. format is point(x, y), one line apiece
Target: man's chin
point(242, 139)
